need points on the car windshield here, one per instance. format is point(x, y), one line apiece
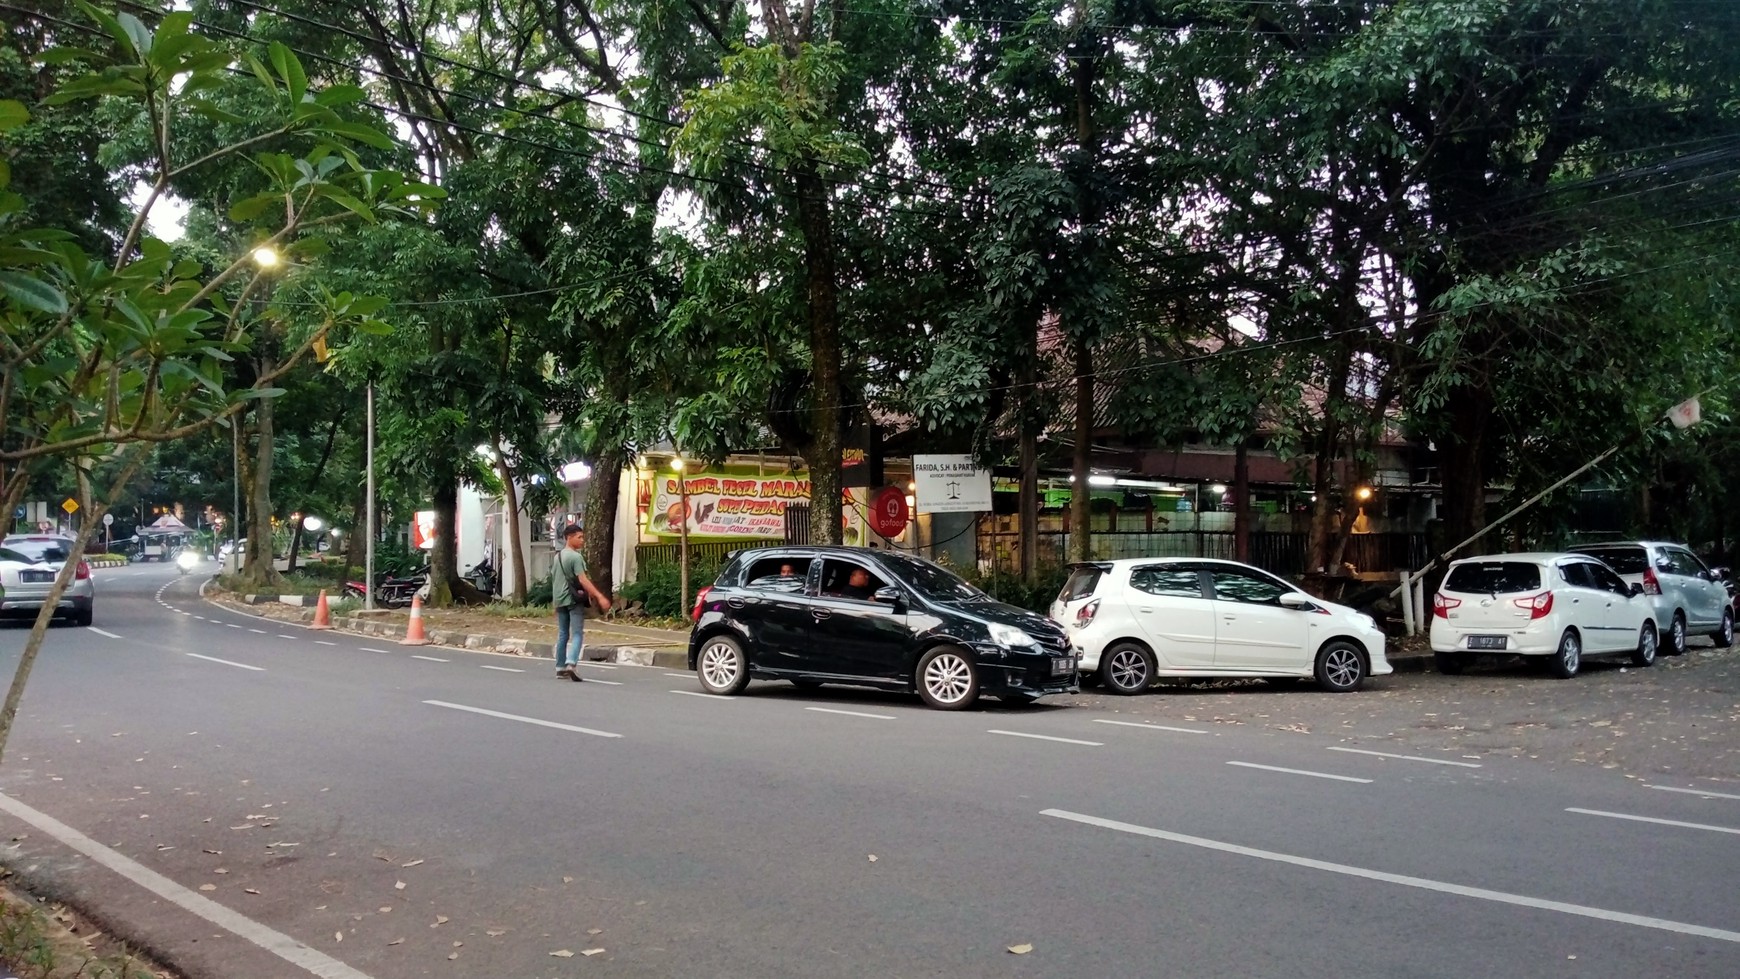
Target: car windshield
point(934, 582)
point(1625, 560)
point(37, 551)
point(1494, 578)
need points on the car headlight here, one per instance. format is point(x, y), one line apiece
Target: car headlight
point(1366, 621)
point(1008, 635)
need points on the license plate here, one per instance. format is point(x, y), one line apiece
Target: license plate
point(1063, 666)
point(36, 577)
point(1486, 642)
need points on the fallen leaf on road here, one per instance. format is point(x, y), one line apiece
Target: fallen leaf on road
point(338, 936)
point(411, 864)
point(397, 941)
point(592, 951)
point(399, 886)
point(164, 846)
point(594, 931)
point(208, 887)
point(567, 880)
point(453, 956)
point(382, 856)
point(271, 845)
point(496, 932)
point(245, 826)
point(221, 870)
point(1021, 949)
point(215, 853)
point(440, 919)
point(562, 954)
point(249, 890)
point(458, 944)
point(387, 910)
point(872, 858)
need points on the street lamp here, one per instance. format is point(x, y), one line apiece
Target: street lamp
point(267, 257)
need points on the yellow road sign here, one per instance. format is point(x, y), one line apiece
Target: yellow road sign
point(70, 505)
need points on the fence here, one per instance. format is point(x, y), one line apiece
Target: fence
point(1282, 552)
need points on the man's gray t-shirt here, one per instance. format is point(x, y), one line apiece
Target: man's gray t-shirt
point(569, 564)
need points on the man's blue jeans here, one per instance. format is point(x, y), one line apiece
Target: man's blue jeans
point(570, 634)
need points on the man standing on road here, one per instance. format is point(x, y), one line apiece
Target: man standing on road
point(569, 587)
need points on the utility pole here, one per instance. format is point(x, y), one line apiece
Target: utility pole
point(369, 507)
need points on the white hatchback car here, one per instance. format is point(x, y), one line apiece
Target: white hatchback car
point(1137, 619)
point(1559, 607)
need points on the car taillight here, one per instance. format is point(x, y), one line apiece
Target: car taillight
point(1539, 606)
point(700, 600)
point(1086, 613)
point(83, 572)
point(1441, 605)
point(1651, 584)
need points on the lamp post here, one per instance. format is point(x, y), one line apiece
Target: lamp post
point(682, 530)
point(369, 507)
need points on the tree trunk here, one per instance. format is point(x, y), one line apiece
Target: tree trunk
point(822, 453)
point(510, 527)
point(1463, 465)
point(601, 505)
point(295, 544)
point(1081, 489)
point(258, 570)
point(1028, 432)
point(1242, 502)
point(444, 556)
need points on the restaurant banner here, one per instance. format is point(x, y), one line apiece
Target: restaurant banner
point(724, 504)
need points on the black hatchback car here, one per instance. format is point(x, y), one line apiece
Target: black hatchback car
point(815, 615)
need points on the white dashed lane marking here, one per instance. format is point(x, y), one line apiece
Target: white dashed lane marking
point(523, 720)
point(214, 659)
point(500, 669)
point(432, 659)
point(1301, 771)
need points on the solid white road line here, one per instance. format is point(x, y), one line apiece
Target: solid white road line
point(1151, 727)
point(1702, 792)
point(100, 632)
point(680, 676)
point(1423, 883)
point(1047, 737)
point(1385, 754)
point(709, 696)
point(278, 943)
point(1658, 822)
point(500, 669)
point(523, 720)
point(851, 713)
point(1301, 771)
point(608, 683)
point(597, 666)
point(214, 659)
point(432, 659)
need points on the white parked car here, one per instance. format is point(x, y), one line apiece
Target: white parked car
point(1689, 596)
point(1134, 620)
point(1558, 607)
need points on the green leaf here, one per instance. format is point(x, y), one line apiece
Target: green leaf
point(213, 112)
point(367, 135)
point(250, 208)
point(262, 393)
point(289, 69)
point(135, 32)
point(12, 114)
point(32, 293)
point(333, 95)
point(261, 73)
point(62, 55)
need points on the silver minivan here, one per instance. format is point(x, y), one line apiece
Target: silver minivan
point(1689, 596)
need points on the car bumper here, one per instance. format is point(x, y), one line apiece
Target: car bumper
point(31, 603)
point(1002, 671)
point(1535, 641)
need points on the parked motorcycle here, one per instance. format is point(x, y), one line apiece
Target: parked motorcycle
point(391, 591)
point(483, 577)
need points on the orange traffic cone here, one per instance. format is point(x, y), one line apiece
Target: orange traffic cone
point(414, 629)
point(322, 614)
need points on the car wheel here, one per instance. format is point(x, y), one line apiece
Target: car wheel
point(1450, 664)
point(1568, 658)
point(1340, 667)
point(1677, 635)
point(1724, 637)
point(722, 667)
point(1647, 641)
point(947, 678)
point(1018, 699)
point(807, 685)
point(1127, 668)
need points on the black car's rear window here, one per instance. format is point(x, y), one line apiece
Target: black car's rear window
point(1625, 560)
point(1494, 578)
point(1081, 584)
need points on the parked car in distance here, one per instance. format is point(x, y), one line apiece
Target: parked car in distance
point(1137, 619)
point(29, 564)
point(1560, 608)
point(1688, 595)
point(815, 615)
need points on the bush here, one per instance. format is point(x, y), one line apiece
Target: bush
point(659, 587)
point(541, 592)
point(1008, 586)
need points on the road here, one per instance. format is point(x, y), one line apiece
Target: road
point(255, 799)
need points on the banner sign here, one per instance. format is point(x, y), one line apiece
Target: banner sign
point(724, 505)
point(951, 484)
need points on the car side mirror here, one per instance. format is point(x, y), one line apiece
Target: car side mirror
point(1295, 600)
point(1636, 589)
point(889, 595)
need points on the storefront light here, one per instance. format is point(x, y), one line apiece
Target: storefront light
point(1098, 480)
point(1218, 489)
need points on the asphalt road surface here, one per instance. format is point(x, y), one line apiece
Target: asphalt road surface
point(252, 799)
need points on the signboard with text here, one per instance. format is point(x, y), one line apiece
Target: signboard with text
point(950, 484)
point(724, 504)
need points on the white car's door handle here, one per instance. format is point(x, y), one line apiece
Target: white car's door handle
point(1147, 610)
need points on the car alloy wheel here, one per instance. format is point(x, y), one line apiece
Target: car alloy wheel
point(1568, 658)
point(1677, 635)
point(1724, 637)
point(721, 667)
point(947, 679)
point(1340, 667)
point(1127, 669)
point(1647, 641)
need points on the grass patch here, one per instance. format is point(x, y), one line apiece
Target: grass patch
point(47, 941)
